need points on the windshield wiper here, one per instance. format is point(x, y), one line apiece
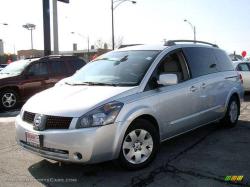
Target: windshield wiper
point(91, 84)
point(76, 84)
point(99, 84)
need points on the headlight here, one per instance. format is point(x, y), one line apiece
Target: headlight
point(103, 115)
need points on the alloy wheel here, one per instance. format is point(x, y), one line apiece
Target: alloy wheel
point(9, 100)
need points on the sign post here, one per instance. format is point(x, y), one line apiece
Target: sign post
point(46, 27)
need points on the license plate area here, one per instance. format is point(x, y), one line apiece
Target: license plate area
point(34, 139)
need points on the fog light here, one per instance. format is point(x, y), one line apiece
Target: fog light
point(77, 156)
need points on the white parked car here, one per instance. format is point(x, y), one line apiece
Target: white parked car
point(243, 67)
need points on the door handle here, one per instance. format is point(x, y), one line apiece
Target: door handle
point(193, 89)
point(203, 85)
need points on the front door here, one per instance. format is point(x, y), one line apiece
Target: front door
point(36, 77)
point(177, 106)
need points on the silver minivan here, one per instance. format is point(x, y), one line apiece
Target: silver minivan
point(123, 104)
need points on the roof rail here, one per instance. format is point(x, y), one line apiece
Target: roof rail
point(127, 45)
point(173, 42)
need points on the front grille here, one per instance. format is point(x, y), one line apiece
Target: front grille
point(52, 122)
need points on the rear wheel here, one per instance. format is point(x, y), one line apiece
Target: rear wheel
point(232, 114)
point(140, 145)
point(9, 99)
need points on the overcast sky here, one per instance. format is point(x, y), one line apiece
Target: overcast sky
point(225, 22)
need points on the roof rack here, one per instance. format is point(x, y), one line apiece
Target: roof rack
point(173, 42)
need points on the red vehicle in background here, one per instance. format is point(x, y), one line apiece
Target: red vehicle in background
point(24, 78)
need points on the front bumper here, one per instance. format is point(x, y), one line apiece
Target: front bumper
point(94, 144)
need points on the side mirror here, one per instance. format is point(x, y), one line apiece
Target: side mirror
point(167, 79)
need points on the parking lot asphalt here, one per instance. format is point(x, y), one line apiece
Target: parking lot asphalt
point(203, 157)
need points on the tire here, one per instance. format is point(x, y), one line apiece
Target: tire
point(232, 115)
point(139, 146)
point(8, 99)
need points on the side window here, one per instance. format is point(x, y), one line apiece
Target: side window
point(224, 62)
point(39, 68)
point(243, 67)
point(201, 60)
point(58, 67)
point(173, 63)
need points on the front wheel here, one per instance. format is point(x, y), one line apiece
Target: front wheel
point(140, 145)
point(232, 114)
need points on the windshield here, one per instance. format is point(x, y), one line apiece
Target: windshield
point(123, 68)
point(16, 67)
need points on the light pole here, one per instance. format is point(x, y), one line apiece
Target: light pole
point(84, 38)
point(193, 27)
point(114, 5)
point(31, 27)
point(5, 24)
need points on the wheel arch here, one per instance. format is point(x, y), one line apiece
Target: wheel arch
point(235, 94)
point(149, 118)
point(131, 119)
point(15, 88)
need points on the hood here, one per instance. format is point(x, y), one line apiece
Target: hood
point(4, 76)
point(73, 101)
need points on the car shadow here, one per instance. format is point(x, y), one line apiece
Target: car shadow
point(52, 173)
point(247, 96)
point(11, 113)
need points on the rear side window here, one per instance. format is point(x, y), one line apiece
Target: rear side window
point(224, 62)
point(58, 67)
point(77, 64)
point(202, 61)
point(243, 67)
point(39, 68)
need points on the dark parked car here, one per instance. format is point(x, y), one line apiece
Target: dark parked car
point(24, 78)
point(2, 66)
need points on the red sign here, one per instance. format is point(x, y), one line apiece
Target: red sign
point(243, 54)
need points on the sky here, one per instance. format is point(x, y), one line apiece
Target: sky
point(224, 22)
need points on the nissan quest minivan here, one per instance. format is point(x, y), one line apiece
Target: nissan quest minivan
point(123, 104)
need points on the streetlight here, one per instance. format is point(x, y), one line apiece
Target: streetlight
point(31, 27)
point(5, 24)
point(193, 27)
point(2, 43)
point(83, 37)
point(114, 5)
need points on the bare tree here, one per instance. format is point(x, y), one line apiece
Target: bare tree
point(99, 44)
point(119, 41)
